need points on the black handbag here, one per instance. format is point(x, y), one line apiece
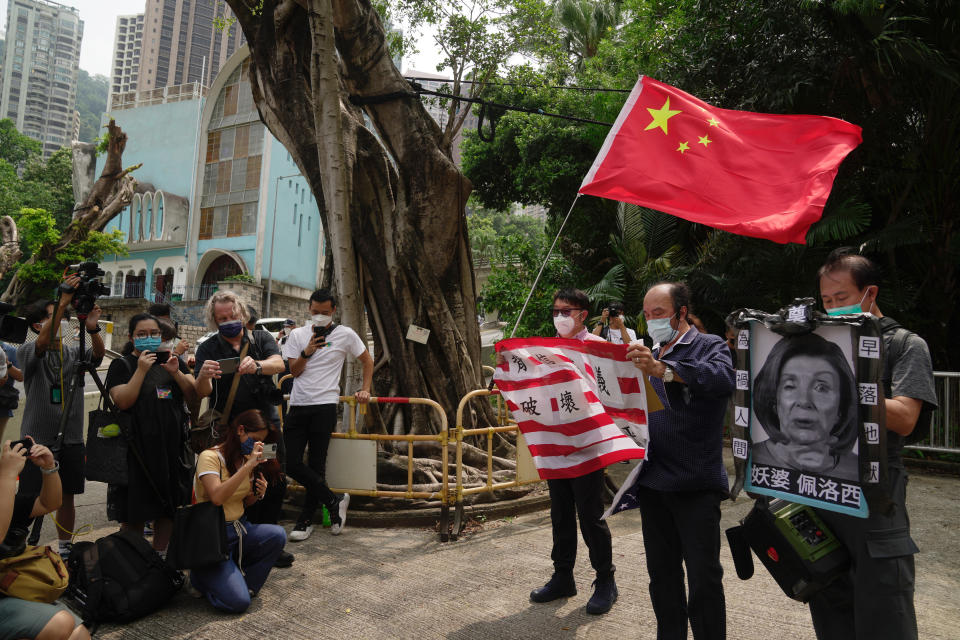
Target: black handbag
point(107, 445)
point(9, 397)
point(199, 537)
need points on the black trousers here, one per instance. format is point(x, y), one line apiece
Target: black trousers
point(581, 497)
point(682, 528)
point(875, 599)
point(308, 427)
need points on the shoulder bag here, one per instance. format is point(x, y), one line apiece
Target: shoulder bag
point(199, 536)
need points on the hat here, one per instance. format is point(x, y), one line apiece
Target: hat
point(289, 323)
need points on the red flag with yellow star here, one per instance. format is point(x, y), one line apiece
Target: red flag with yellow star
point(754, 174)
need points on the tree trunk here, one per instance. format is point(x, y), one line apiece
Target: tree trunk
point(110, 195)
point(400, 195)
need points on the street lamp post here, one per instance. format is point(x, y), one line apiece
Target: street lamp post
point(273, 237)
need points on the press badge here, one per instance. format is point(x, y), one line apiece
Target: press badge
point(163, 393)
point(55, 395)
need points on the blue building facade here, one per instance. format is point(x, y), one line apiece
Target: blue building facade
point(218, 196)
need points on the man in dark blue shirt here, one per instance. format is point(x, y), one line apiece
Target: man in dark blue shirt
point(683, 480)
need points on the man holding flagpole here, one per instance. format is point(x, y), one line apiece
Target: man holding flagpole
point(580, 497)
point(681, 484)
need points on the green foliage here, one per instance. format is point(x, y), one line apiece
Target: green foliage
point(16, 148)
point(91, 103)
point(240, 277)
point(38, 229)
point(485, 226)
point(508, 285)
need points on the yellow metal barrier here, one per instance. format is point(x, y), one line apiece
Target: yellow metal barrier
point(525, 472)
point(442, 438)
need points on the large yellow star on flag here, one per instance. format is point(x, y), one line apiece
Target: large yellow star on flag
point(661, 115)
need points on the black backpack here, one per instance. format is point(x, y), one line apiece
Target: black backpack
point(119, 578)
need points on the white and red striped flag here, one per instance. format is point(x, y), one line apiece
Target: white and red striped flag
point(580, 405)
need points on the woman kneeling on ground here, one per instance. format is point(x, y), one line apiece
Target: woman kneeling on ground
point(233, 474)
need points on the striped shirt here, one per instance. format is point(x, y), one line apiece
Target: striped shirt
point(41, 418)
point(685, 451)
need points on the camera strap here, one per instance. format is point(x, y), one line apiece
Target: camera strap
point(234, 384)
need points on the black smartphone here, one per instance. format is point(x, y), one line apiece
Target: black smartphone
point(26, 442)
point(162, 357)
point(228, 365)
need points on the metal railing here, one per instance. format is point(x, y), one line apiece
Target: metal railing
point(944, 434)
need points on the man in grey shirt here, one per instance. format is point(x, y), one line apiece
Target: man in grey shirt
point(48, 377)
point(875, 599)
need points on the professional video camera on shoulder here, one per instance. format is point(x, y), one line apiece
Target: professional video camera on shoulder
point(90, 288)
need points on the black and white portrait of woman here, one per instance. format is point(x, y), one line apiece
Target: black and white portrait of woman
point(805, 399)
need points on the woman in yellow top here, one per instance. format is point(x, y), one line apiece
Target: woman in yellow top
point(234, 474)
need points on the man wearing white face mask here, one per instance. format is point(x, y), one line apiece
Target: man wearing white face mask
point(683, 480)
point(578, 498)
point(316, 354)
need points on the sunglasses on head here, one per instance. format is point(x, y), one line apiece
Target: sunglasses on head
point(563, 312)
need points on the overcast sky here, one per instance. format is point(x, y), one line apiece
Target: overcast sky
point(100, 21)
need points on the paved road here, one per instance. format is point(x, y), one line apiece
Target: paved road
point(403, 583)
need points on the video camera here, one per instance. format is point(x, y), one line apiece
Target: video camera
point(90, 287)
point(12, 328)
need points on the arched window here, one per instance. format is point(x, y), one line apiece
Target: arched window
point(135, 219)
point(158, 214)
point(130, 288)
point(147, 228)
point(108, 281)
point(118, 285)
point(231, 177)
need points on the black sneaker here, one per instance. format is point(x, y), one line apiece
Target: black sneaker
point(301, 531)
point(284, 560)
point(560, 585)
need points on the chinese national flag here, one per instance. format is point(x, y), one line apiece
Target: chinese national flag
point(754, 174)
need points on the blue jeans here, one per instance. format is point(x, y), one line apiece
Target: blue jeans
point(223, 584)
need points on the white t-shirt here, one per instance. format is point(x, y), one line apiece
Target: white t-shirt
point(614, 336)
point(320, 381)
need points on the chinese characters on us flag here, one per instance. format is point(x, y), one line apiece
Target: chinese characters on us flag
point(580, 405)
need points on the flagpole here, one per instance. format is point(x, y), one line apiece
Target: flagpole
point(533, 288)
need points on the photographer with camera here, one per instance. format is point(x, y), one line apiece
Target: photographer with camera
point(161, 311)
point(612, 328)
point(50, 383)
point(218, 361)
point(9, 395)
point(151, 386)
point(23, 618)
point(316, 354)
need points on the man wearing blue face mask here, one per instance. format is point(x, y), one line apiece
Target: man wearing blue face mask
point(683, 480)
point(227, 314)
point(875, 598)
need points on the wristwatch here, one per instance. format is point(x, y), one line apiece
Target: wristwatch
point(304, 354)
point(93, 331)
point(52, 470)
point(667, 374)
point(259, 368)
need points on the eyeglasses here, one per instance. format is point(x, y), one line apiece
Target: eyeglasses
point(563, 312)
point(152, 334)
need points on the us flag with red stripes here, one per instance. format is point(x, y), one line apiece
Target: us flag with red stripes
point(580, 404)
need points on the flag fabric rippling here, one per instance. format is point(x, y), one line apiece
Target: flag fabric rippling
point(578, 404)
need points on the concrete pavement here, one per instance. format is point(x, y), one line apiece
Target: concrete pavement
point(403, 583)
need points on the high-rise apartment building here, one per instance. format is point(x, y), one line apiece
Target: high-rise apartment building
point(38, 79)
point(179, 35)
point(126, 54)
